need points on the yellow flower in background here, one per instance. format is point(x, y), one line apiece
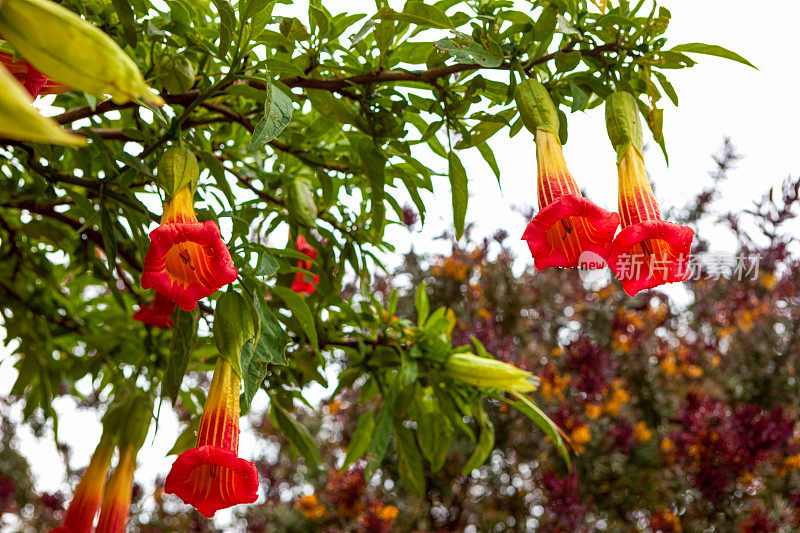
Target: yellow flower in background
point(593, 411)
point(641, 432)
point(580, 436)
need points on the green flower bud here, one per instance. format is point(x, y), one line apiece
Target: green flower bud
point(176, 73)
point(177, 169)
point(233, 327)
point(484, 372)
point(623, 123)
point(300, 200)
point(69, 50)
point(20, 121)
point(536, 107)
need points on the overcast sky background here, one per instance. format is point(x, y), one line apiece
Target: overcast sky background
point(759, 110)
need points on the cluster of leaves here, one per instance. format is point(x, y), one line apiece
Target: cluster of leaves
point(316, 128)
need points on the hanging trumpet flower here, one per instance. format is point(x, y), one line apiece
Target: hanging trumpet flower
point(158, 314)
point(34, 81)
point(304, 283)
point(117, 498)
point(132, 421)
point(69, 50)
point(89, 491)
point(187, 260)
point(648, 251)
point(567, 224)
point(212, 476)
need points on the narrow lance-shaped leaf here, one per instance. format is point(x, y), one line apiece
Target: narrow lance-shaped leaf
point(184, 338)
point(458, 185)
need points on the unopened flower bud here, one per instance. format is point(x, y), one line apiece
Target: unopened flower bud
point(485, 372)
point(69, 50)
point(176, 73)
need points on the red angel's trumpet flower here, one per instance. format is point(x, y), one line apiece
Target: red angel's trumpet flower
point(648, 252)
point(567, 224)
point(157, 314)
point(117, 498)
point(187, 260)
point(34, 81)
point(89, 491)
point(301, 282)
point(212, 476)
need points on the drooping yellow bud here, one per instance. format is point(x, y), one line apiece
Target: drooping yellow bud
point(20, 121)
point(71, 51)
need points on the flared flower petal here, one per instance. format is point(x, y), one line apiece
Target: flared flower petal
point(187, 262)
point(211, 476)
point(117, 498)
point(567, 224)
point(88, 493)
point(303, 283)
point(648, 252)
point(651, 253)
point(157, 314)
point(568, 227)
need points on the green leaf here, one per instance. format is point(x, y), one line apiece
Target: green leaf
point(434, 432)
point(712, 50)
point(488, 156)
point(126, 18)
point(425, 15)
point(465, 50)
point(297, 434)
point(485, 444)
point(184, 338)
point(277, 115)
point(485, 129)
point(109, 239)
point(667, 86)
point(362, 435)
point(458, 184)
point(532, 411)
point(422, 304)
point(579, 97)
point(254, 7)
point(380, 439)
point(299, 308)
point(270, 348)
point(187, 439)
point(410, 461)
point(227, 25)
point(233, 327)
point(217, 170)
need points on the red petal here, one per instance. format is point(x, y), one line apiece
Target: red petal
point(302, 286)
point(592, 229)
point(187, 261)
point(668, 262)
point(210, 478)
point(305, 248)
point(157, 314)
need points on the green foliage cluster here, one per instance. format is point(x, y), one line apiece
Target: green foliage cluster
point(318, 122)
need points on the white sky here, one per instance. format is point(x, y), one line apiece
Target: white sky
point(757, 109)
